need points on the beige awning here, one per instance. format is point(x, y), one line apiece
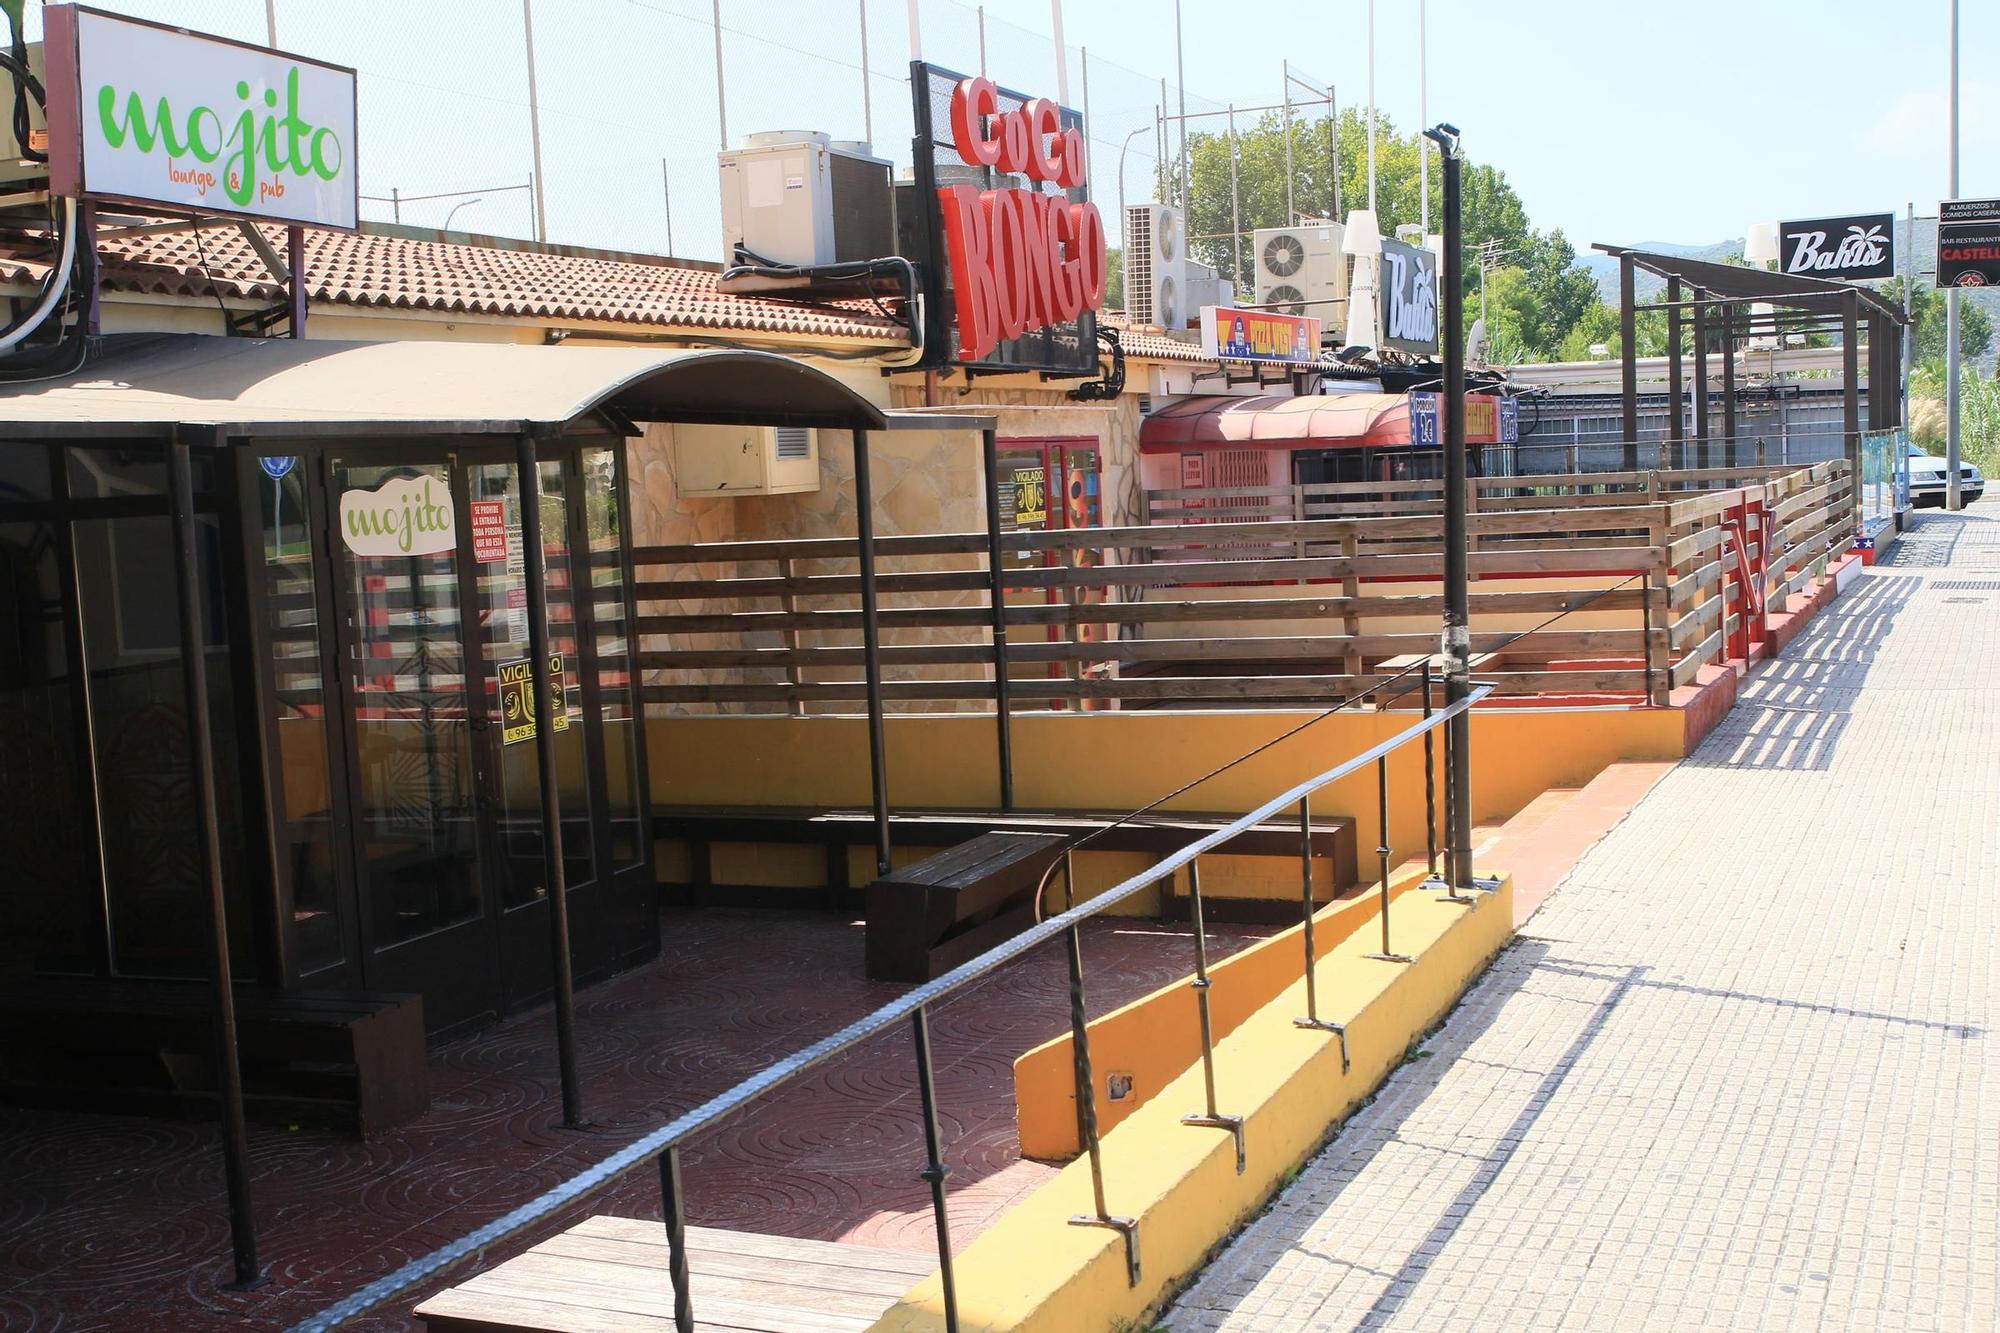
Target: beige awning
point(271, 385)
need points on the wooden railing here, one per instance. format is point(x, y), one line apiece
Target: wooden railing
point(1353, 499)
point(1587, 593)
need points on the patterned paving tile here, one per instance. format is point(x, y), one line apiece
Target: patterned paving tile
point(112, 1222)
point(1740, 1071)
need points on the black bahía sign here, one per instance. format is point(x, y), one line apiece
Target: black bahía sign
point(1853, 248)
point(1969, 243)
point(1409, 297)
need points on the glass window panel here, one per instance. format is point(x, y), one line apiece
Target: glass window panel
point(502, 602)
point(305, 795)
point(616, 679)
point(24, 473)
point(46, 921)
point(416, 823)
point(153, 886)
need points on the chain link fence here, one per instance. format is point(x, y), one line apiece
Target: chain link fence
point(633, 99)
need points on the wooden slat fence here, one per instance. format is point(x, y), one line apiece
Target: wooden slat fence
point(1642, 587)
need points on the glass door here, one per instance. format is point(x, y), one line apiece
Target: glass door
point(415, 790)
point(507, 724)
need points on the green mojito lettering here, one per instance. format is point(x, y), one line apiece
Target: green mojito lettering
point(255, 152)
point(398, 521)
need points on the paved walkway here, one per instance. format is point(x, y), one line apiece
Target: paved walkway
point(1742, 1071)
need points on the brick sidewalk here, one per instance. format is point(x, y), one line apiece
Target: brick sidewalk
point(1741, 1071)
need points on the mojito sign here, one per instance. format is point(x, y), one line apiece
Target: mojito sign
point(402, 516)
point(160, 115)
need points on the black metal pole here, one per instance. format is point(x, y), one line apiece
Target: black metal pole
point(549, 707)
point(1628, 358)
point(1457, 637)
point(1003, 689)
point(1430, 783)
point(1676, 386)
point(673, 1204)
point(1701, 444)
point(871, 648)
point(201, 748)
point(1729, 456)
point(1850, 393)
point(935, 1172)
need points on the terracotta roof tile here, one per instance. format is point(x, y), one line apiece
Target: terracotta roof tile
point(401, 273)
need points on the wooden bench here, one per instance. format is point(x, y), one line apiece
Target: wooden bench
point(341, 1059)
point(610, 1273)
point(839, 829)
point(927, 918)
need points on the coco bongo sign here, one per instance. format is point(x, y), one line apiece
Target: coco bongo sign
point(1021, 259)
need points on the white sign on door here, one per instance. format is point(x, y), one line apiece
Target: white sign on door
point(149, 113)
point(402, 516)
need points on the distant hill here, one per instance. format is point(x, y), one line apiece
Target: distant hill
point(1604, 268)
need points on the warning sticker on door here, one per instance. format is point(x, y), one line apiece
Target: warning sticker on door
point(517, 699)
point(489, 530)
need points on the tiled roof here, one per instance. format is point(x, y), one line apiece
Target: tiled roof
point(1149, 343)
point(447, 278)
point(394, 272)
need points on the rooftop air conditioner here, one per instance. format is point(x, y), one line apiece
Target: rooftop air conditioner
point(745, 460)
point(1155, 266)
point(799, 197)
point(1205, 288)
point(1301, 270)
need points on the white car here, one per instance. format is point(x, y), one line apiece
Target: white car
point(1928, 477)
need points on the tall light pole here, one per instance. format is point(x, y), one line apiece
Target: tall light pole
point(1456, 639)
point(1952, 499)
point(535, 125)
point(1423, 141)
point(1371, 106)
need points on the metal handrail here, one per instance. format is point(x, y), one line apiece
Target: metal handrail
point(665, 1141)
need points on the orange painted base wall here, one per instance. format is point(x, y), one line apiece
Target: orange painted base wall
point(1121, 761)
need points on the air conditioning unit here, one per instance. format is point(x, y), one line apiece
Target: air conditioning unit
point(1301, 270)
point(1205, 288)
point(799, 197)
point(1156, 266)
point(14, 163)
point(745, 460)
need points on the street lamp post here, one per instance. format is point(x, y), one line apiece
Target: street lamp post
point(1952, 499)
point(1456, 639)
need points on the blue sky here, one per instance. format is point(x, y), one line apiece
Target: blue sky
point(1617, 120)
point(1628, 120)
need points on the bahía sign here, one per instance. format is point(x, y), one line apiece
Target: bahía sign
point(160, 115)
point(1409, 297)
point(402, 516)
point(1021, 259)
point(1229, 334)
point(1969, 243)
point(1854, 248)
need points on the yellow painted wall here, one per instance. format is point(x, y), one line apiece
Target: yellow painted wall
point(1032, 1272)
point(1154, 1039)
point(1120, 761)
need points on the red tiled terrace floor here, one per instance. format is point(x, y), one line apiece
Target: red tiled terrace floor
point(117, 1222)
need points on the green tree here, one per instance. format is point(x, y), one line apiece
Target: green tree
point(1975, 326)
point(1556, 291)
point(1978, 412)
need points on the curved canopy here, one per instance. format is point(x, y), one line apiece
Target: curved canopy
point(275, 385)
point(1273, 421)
